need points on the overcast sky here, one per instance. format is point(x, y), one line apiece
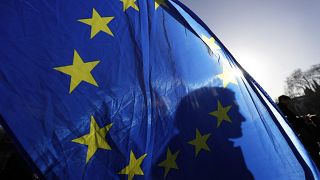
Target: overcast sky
point(269, 38)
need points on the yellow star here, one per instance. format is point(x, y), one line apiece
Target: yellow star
point(227, 77)
point(129, 3)
point(98, 23)
point(221, 113)
point(79, 71)
point(158, 3)
point(95, 139)
point(170, 162)
point(133, 168)
point(200, 142)
point(211, 42)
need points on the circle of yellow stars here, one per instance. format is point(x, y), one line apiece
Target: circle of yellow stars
point(81, 71)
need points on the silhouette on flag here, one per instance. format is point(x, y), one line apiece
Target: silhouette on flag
point(135, 89)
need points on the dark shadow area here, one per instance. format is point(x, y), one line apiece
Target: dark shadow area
point(12, 165)
point(224, 160)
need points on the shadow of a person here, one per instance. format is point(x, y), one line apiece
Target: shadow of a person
point(207, 120)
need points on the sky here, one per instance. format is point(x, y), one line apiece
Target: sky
point(269, 38)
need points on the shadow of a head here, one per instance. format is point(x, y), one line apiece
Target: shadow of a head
point(206, 121)
point(214, 109)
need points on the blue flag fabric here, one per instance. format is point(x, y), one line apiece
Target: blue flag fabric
point(135, 89)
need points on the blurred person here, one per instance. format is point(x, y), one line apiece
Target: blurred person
point(306, 129)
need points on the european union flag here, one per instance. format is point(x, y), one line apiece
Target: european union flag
point(135, 89)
